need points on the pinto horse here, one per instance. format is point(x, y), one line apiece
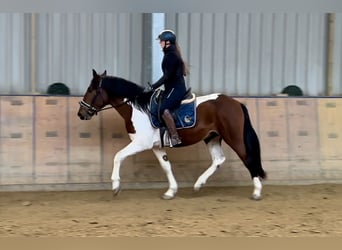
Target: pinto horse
point(219, 117)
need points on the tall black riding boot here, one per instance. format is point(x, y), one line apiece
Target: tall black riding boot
point(171, 127)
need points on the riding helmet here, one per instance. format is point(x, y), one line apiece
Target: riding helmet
point(167, 35)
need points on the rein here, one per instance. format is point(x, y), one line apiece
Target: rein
point(95, 110)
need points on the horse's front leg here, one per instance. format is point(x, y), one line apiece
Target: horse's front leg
point(166, 165)
point(131, 149)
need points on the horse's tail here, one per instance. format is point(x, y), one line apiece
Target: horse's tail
point(252, 144)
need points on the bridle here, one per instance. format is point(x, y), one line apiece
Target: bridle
point(93, 110)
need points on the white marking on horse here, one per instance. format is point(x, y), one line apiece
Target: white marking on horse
point(217, 157)
point(205, 98)
point(257, 188)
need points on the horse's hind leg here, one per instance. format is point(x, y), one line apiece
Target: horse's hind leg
point(217, 156)
point(252, 165)
point(165, 164)
point(249, 152)
point(253, 156)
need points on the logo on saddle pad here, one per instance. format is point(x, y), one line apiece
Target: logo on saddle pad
point(184, 116)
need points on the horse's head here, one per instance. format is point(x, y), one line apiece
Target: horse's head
point(94, 99)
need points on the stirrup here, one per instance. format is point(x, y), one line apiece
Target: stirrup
point(175, 141)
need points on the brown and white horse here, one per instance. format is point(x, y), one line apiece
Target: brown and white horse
point(219, 117)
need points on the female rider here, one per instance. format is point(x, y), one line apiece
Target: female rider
point(174, 69)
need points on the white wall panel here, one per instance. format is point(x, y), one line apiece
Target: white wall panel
point(71, 45)
point(235, 53)
point(13, 54)
point(253, 53)
point(67, 46)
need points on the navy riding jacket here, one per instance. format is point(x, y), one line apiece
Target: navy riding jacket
point(172, 79)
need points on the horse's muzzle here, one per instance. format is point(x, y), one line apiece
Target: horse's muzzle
point(84, 114)
point(81, 116)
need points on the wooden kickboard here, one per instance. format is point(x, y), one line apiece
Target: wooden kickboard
point(331, 170)
point(277, 171)
point(301, 142)
point(16, 132)
point(273, 129)
point(303, 129)
point(330, 126)
point(51, 132)
point(305, 170)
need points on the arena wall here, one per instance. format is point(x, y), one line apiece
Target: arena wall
point(44, 146)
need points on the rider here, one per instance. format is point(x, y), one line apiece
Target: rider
point(174, 69)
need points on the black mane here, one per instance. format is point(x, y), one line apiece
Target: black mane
point(119, 87)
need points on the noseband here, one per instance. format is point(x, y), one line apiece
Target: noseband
point(91, 109)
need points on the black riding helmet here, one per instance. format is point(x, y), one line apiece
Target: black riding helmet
point(167, 35)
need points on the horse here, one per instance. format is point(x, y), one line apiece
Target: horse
point(218, 117)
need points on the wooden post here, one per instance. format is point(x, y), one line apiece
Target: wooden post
point(330, 56)
point(33, 54)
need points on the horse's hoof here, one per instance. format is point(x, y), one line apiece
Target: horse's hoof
point(256, 197)
point(168, 197)
point(197, 188)
point(116, 192)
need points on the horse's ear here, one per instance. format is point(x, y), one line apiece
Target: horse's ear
point(104, 73)
point(94, 73)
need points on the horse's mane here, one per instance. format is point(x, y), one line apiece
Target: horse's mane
point(119, 87)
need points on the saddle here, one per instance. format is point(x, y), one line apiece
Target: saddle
point(184, 116)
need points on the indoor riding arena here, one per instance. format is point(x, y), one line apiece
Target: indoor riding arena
point(55, 169)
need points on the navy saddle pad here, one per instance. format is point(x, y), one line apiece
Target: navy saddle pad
point(184, 116)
